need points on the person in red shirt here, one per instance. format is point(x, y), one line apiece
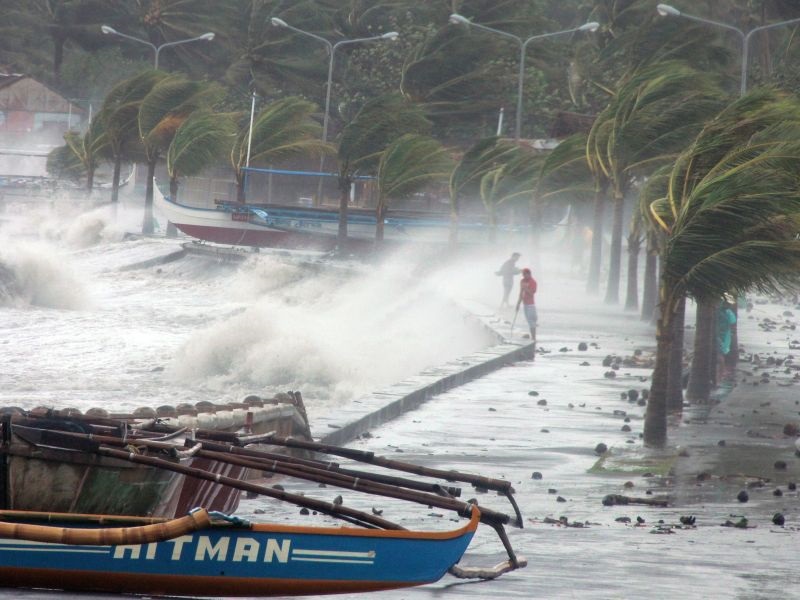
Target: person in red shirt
point(527, 293)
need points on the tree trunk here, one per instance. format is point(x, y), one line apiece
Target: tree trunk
point(58, 57)
point(173, 188)
point(593, 281)
point(344, 198)
point(675, 375)
point(650, 279)
point(240, 194)
point(147, 223)
point(172, 231)
point(655, 420)
point(380, 215)
point(115, 180)
point(732, 359)
point(89, 179)
point(615, 257)
point(453, 234)
point(699, 389)
point(634, 248)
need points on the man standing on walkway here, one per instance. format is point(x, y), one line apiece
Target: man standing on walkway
point(507, 271)
point(527, 293)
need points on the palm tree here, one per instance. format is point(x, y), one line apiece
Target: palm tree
point(199, 142)
point(362, 142)
point(407, 165)
point(162, 111)
point(484, 156)
point(282, 130)
point(120, 116)
point(731, 223)
point(515, 178)
point(88, 149)
point(655, 110)
point(565, 177)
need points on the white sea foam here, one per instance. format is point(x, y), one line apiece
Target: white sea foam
point(37, 275)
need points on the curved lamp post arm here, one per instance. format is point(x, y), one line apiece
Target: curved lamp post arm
point(276, 22)
point(457, 19)
point(157, 49)
point(111, 31)
point(206, 36)
point(665, 10)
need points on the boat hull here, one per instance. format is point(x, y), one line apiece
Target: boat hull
point(248, 560)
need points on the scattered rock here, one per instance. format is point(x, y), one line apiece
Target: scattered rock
point(633, 395)
point(600, 449)
point(690, 520)
point(338, 501)
point(492, 409)
point(627, 484)
point(536, 475)
point(583, 347)
point(561, 499)
point(542, 402)
point(304, 511)
point(743, 496)
point(721, 443)
point(585, 364)
point(780, 465)
point(278, 487)
point(623, 519)
point(777, 492)
point(626, 428)
point(609, 374)
point(544, 430)
point(552, 491)
point(532, 393)
point(792, 486)
point(376, 511)
point(778, 519)
point(563, 349)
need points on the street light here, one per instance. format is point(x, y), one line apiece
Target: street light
point(457, 19)
point(331, 48)
point(665, 10)
point(391, 35)
point(157, 49)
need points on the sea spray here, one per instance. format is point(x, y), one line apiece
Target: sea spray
point(34, 274)
point(333, 334)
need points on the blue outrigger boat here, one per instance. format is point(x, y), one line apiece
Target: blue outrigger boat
point(218, 556)
point(214, 554)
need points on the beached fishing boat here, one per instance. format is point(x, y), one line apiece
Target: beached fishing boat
point(36, 475)
point(224, 555)
point(218, 556)
point(307, 228)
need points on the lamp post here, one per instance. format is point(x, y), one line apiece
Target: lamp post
point(391, 35)
point(457, 19)
point(157, 49)
point(665, 10)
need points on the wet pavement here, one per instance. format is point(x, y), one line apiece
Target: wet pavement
point(548, 415)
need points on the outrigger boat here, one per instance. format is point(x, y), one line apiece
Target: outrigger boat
point(308, 228)
point(219, 555)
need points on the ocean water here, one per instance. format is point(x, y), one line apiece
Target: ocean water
point(83, 323)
